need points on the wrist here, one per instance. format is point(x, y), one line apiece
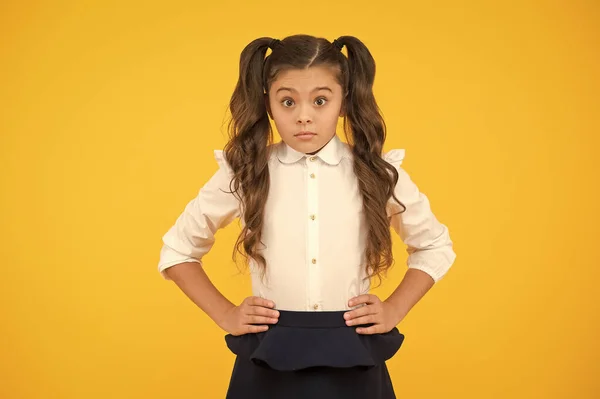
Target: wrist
point(222, 316)
point(397, 310)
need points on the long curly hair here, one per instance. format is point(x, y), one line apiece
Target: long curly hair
point(251, 134)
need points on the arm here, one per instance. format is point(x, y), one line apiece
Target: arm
point(411, 289)
point(430, 256)
point(193, 235)
point(190, 238)
point(428, 242)
point(236, 320)
point(195, 284)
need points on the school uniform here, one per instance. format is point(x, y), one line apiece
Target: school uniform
point(314, 234)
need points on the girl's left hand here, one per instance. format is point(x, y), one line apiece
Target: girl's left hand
point(382, 313)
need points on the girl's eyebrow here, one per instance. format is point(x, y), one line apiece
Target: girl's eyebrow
point(313, 90)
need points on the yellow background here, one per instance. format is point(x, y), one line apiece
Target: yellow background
point(110, 112)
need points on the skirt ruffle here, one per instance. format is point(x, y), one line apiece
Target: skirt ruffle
point(286, 348)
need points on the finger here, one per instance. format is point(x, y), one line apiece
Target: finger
point(252, 329)
point(376, 329)
point(262, 311)
point(369, 319)
point(258, 301)
point(252, 319)
point(366, 298)
point(362, 311)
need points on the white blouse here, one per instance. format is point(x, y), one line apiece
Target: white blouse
point(314, 230)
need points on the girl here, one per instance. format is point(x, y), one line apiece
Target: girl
point(316, 216)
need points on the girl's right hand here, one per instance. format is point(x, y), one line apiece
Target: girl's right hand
point(250, 316)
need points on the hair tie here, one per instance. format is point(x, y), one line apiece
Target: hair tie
point(273, 43)
point(338, 44)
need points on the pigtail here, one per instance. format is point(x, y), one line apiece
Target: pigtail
point(366, 132)
point(246, 152)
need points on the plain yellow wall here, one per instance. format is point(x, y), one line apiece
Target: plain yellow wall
point(110, 114)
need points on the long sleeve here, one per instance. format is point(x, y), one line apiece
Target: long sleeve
point(193, 234)
point(428, 241)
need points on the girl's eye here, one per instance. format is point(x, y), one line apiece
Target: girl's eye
point(289, 102)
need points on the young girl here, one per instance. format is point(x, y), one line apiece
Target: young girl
point(316, 216)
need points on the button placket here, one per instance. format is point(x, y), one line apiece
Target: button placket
point(312, 242)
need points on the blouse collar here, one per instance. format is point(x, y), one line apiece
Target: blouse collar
point(332, 153)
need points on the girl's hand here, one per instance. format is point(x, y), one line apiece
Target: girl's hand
point(383, 314)
point(243, 319)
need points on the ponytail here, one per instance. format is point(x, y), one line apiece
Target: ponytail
point(366, 132)
point(246, 152)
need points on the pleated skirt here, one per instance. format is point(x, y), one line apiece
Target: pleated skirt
point(312, 355)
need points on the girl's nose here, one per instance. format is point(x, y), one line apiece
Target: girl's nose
point(304, 119)
point(304, 114)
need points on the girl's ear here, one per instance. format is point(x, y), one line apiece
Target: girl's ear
point(268, 106)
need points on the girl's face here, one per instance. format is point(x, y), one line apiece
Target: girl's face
point(305, 105)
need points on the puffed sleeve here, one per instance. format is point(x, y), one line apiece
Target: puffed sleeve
point(193, 233)
point(428, 242)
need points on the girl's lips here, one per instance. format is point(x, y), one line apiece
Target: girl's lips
point(305, 136)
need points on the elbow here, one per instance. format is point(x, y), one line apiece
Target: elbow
point(435, 261)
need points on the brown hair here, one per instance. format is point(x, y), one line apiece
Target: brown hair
point(365, 130)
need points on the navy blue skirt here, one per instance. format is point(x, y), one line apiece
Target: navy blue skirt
point(312, 355)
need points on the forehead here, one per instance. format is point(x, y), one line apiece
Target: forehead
point(306, 79)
